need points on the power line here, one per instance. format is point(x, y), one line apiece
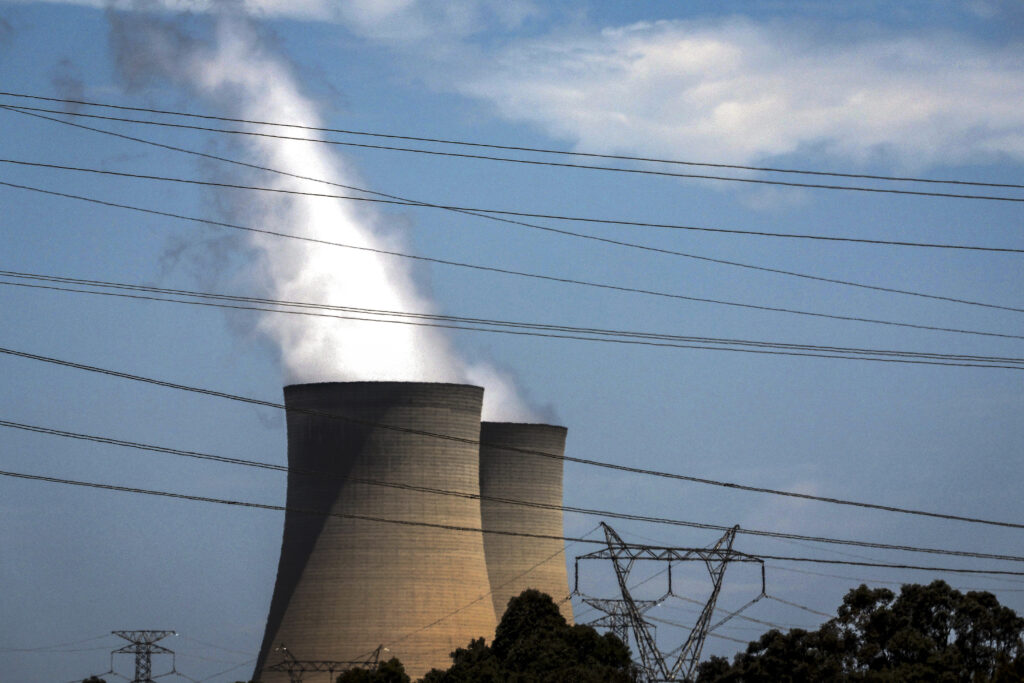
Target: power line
point(548, 278)
point(799, 606)
point(559, 552)
point(71, 643)
point(477, 496)
point(856, 563)
point(527, 149)
point(236, 666)
point(476, 211)
point(778, 271)
point(531, 162)
point(525, 451)
point(880, 581)
point(518, 328)
point(453, 527)
point(903, 357)
point(490, 215)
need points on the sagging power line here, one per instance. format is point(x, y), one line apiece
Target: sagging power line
point(737, 264)
point(464, 529)
point(585, 283)
point(583, 461)
point(535, 162)
point(518, 328)
point(209, 457)
point(541, 150)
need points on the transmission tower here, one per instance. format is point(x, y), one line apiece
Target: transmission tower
point(653, 664)
point(616, 614)
point(298, 668)
point(143, 645)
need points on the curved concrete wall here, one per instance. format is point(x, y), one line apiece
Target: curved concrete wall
point(515, 563)
point(345, 586)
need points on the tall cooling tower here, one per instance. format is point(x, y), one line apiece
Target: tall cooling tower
point(345, 586)
point(515, 563)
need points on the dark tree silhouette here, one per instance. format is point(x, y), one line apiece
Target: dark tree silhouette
point(390, 671)
point(926, 633)
point(534, 644)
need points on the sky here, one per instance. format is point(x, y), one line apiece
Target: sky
point(919, 89)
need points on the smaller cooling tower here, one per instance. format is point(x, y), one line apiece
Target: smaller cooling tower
point(347, 583)
point(515, 563)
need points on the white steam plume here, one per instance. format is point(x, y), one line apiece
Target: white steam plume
point(237, 72)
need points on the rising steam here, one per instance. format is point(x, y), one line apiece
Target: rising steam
point(238, 73)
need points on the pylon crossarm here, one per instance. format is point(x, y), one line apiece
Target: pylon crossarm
point(669, 555)
point(142, 647)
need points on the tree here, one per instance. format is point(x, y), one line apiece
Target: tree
point(534, 644)
point(391, 671)
point(926, 633)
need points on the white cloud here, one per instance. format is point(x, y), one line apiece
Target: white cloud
point(738, 91)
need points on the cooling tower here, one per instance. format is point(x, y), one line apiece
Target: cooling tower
point(515, 563)
point(345, 586)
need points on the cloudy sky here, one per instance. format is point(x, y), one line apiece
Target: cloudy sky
point(926, 90)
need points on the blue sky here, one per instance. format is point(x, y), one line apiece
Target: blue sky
point(929, 89)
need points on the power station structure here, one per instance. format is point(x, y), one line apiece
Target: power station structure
point(375, 551)
point(521, 493)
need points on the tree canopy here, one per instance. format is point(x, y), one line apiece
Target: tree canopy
point(390, 671)
point(534, 644)
point(930, 633)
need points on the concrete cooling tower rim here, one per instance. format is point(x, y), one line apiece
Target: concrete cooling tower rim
point(378, 383)
point(526, 424)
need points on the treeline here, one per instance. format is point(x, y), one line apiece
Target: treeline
point(924, 634)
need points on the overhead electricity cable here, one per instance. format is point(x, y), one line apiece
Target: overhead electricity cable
point(515, 273)
point(862, 579)
point(525, 451)
point(454, 527)
point(533, 162)
point(778, 271)
point(648, 292)
point(800, 607)
point(475, 211)
point(711, 634)
point(236, 666)
point(921, 358)
point(856, 563)
point(560, 552)
point(539, 150)
point(216, 647)
point(666, 604)
point(44, 648)
point(490, 215)
point(518, 328)
point(744, 617)
point(497, 499)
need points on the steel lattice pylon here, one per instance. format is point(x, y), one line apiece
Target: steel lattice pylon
point(143, 645)
point(653, 664)
point(616, 614)
point(298, 668)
